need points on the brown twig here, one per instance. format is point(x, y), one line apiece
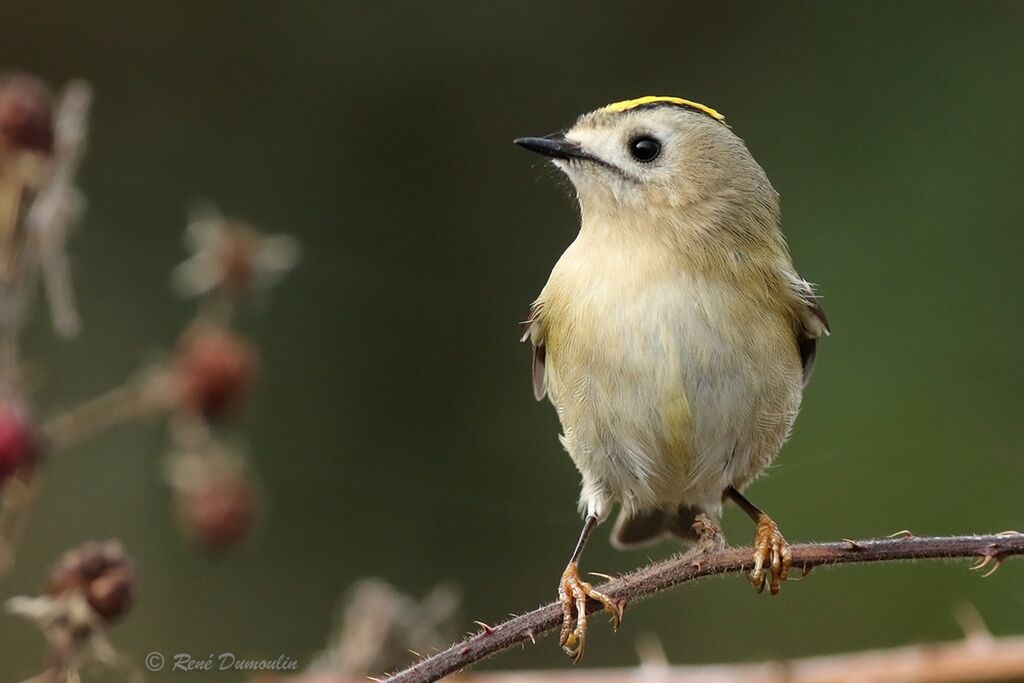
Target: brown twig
point(140, 396)
point(698, 564)
point(989, 659)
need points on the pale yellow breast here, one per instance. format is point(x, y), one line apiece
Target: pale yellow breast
point(656, 373)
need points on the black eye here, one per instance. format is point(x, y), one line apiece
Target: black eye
point(644, 148)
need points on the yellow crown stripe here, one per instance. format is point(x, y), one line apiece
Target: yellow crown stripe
point(626, 105)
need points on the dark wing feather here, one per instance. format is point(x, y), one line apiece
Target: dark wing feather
point(807, 340)
point(539, 390)
point(811, 324)
point(533, 334)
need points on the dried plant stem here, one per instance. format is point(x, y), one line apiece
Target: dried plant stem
point(145, 395)
point(702, 562)
point(15, 504)
point(12, 198)
point(139, 397)
point(52, 675)
point(978, 658)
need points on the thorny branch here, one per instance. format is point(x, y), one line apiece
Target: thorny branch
point(703, 561)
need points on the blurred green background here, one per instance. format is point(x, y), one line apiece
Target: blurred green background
point(395, 434)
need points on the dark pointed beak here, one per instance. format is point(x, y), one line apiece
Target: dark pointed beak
point(554, 146)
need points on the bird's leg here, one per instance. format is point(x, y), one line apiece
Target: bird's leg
point(573, 593)
point(772, 557)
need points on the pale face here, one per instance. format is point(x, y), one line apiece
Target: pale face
point(661, 155)
point(647, 157)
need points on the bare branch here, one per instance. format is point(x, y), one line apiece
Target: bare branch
point(989, 551)
point(987, 659)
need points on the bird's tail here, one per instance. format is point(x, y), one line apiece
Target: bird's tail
point(649, 527)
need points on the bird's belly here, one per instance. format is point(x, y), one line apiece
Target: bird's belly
point(675, 401)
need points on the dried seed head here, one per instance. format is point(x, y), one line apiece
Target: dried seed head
point(239, 251)
point(111, 594)
point(215, 371)
point(101, 572)
point(26, 114)
point(231, 257)
point(219, 511)
point(19, 445)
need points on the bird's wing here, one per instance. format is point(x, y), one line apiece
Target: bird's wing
point(811, 324)
point(534, 333)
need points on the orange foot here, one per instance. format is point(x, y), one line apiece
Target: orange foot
point(772, 557)
point(573, 593)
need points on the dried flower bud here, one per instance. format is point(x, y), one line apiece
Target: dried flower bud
point(219, 511)
point(19, 446)
point(101, 572)
point(26, 114)
point(215, 370)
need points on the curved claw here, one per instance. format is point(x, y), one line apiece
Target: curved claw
point(573, 593)
point(772, 556)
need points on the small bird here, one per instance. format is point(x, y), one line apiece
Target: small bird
point(674, 336)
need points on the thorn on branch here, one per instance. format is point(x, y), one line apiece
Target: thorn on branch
point(987, 560)
point(902, 533)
